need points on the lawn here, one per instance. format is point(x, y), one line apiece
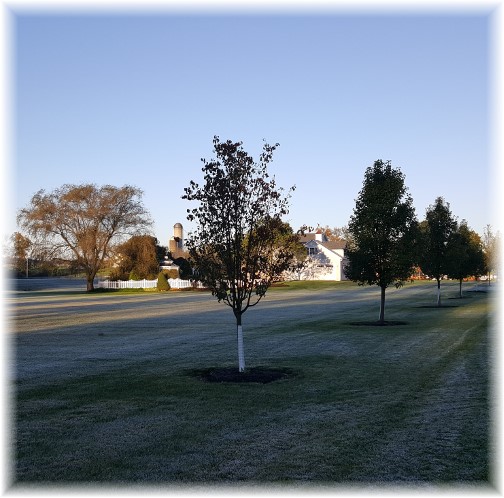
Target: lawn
point(106, 389)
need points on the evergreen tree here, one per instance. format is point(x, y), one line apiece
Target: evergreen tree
point(162, 282)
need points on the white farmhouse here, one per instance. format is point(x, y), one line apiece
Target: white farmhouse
point(326, 259)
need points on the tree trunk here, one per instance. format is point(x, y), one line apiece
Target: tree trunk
point(90, 283)
point(382, 305)
point(239, 335)
point(460, 288)
point(439, 292)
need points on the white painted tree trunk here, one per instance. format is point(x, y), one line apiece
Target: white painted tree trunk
point(241, 353)
point(381, 318)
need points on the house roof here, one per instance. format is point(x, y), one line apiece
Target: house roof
point(306, 237)
point(335, 244)
point(329, 244)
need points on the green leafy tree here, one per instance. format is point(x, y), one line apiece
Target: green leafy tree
point(185, 269)
point(234, 250)
point(383, 230)
point(436, 230)
point(84, 221)
point(464, 254)
point(161, 251)
point(285, 246)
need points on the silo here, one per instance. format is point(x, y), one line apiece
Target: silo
point(178, 231)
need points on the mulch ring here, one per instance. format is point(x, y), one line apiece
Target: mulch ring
point(385, 323)
point(261, 375)
point(435, 306)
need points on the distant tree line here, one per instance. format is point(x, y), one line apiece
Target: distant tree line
point(89, 237)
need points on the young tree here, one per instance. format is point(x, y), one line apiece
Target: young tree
point(234, 250)
point(383, 231)
point(85, 220)
point(436, 231)
point(464, 254)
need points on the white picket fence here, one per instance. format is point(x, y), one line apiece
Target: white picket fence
point(175, 283)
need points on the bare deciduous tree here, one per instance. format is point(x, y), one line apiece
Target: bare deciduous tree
point(85, 220)
point(491, 247)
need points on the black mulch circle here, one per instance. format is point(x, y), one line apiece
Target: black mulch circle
point(385, 323)
point(260, 375)
point(436, 307)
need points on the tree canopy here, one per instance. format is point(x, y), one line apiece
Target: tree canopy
point(137, 258)
point(465, 255)
point(235, 249)
point(85, 220)
point(383, 231)
point(21, 249)
point(436, 230)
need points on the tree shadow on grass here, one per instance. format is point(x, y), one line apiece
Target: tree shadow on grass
point(52, 293)
point(261, 375)
point(385, 323)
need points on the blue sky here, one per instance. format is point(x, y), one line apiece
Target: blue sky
point(136, 99)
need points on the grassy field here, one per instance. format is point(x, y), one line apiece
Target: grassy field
point(105, 391)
